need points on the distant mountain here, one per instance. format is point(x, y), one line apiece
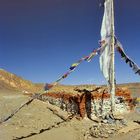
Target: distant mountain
point(13, 82)
point(130, 85)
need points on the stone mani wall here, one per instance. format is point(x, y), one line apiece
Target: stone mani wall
point(90, 104)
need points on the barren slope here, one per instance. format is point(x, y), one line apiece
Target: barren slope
point(13, 82)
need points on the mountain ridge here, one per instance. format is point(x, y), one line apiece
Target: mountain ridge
point(11, 81)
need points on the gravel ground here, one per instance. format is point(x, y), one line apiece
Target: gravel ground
point(36, 122)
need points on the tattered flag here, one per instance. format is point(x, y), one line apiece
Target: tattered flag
point(131, 63)
point(106, 31)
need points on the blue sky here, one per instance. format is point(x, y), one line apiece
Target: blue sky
point(40, 39)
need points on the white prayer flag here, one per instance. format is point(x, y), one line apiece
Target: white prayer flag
point(106, 32)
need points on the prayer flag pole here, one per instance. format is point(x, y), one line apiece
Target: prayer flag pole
point(112, 85)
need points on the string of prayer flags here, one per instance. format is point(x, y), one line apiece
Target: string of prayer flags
point(88, 58)
point(72, 68)
point(131, 63)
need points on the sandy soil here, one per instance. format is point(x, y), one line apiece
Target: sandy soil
point(37, 122)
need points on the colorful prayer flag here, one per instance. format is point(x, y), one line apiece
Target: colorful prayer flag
point(48, 86)
point(94, 53)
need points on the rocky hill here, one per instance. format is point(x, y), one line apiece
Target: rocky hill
point(13, 82)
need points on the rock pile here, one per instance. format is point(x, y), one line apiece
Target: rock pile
point(91, 103)
point(104, 130)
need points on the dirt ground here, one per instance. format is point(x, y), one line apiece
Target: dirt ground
point(37, 122)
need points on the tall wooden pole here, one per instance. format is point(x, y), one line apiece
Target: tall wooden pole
point(112, 90)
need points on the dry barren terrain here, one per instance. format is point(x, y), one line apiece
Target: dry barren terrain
point(40, 120)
